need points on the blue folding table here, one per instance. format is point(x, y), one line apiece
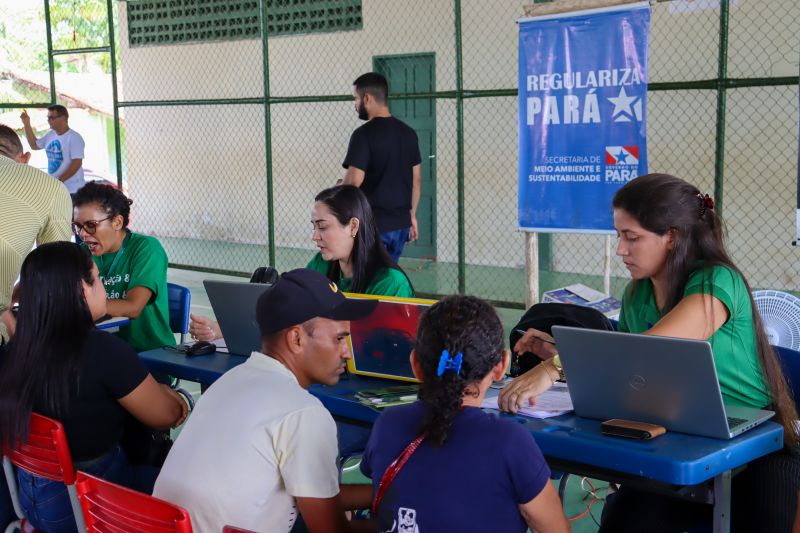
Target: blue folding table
point(673, 463)
point(112, 324)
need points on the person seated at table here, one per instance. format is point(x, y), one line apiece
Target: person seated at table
point(466, 470)
point(259, 447)
point(58, 365)
point(686, 285)
point(351, 252)
point(133, 267)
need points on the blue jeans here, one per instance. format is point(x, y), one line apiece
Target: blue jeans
point(394, 241)
point(46, 503)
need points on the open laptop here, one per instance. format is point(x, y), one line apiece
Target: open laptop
point(381, 342)
point(234, 305)
point(660, 380)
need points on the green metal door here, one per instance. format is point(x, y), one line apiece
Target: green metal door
point(416, 73)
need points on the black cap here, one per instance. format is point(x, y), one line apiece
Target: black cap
point(303, 294)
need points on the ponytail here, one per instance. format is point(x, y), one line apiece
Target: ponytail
point(459, 341)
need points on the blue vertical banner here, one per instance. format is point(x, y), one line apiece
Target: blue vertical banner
point(582, 115)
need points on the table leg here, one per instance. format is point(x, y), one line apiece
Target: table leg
point(722, 503)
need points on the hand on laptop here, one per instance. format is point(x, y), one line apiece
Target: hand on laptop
point(536, 342)
point(204, 329)
point(522, 391)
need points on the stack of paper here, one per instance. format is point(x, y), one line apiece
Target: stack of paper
point(553, 402)
point(388, 396)
point(582, 295)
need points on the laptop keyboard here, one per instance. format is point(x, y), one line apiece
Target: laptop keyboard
point(733, 422)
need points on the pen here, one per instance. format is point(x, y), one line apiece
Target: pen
point(522, 332)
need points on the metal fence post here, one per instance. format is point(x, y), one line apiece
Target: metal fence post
point(268, 134)
point(722, 75)
point(462, 255)
point(50, 64)
point(114, 89)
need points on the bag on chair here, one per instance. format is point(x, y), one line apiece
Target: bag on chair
point(544, 316)
point(264, 275)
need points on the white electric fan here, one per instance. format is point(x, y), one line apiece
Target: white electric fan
point(780, 313)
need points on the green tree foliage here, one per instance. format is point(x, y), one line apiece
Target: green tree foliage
point(78, 23)
point(74, 24)
point(23, 44)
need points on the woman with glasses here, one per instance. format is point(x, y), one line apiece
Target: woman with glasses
point(133, 267)
point(58, 365)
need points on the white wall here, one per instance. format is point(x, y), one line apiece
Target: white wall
point(200, 171)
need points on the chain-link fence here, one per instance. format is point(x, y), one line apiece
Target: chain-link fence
point(225, 150)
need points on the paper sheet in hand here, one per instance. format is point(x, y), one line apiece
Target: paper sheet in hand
point(554, 402)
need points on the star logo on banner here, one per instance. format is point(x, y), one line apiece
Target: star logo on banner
point(625, 107)
point(622, 157)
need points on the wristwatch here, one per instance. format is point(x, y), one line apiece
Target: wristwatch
point(557, 364)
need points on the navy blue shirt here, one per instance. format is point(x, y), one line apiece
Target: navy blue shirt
point(475, 482)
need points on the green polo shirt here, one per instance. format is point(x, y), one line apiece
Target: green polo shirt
point(386, 282)
point(142, 263)
point(734, 344)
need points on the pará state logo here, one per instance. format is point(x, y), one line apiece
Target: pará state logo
point(622, 163)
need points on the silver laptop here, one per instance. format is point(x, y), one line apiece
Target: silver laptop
point(660, 380)
point(234, 304)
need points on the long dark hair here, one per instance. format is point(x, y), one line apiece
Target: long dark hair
point(458, 324)
point(53, 323)
point(112, 200)
point(663, 203)
point(369, 255)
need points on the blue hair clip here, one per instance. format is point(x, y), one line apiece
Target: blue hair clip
point(446, 362)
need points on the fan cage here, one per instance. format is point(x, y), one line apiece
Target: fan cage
point(780, 313)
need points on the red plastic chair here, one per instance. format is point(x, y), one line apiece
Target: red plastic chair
point(46, 454)
point(110, 508)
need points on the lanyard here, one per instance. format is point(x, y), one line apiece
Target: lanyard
point(392, 471)
point(117, 257)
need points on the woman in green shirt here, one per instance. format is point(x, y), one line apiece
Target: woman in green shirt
point(350, 249)
point(351, 252)
point(133, 267)
point(685, 285)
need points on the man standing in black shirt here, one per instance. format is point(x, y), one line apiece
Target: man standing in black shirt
point(383, 160)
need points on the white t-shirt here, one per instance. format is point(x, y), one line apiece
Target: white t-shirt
point(254, 442)
point(61, 150)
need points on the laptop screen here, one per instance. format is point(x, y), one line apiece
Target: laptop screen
point(381, 342)
point(234, 305)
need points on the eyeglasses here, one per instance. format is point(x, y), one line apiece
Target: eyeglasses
point(90, 226)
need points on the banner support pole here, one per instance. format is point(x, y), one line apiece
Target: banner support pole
point(607, 266)
point(531, 269)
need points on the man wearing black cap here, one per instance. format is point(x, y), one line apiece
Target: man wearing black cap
point(259, 447)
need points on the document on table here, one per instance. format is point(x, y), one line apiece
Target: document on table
point(553, 402)
point(221, 346)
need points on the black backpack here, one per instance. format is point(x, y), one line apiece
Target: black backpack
point(264, 275)
point(543, 317)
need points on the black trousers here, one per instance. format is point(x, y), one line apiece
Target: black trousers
point(763, 498)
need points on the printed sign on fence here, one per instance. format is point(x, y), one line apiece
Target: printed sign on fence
point(582, 116)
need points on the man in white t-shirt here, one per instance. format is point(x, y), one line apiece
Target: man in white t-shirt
point(64, 147)
point(258, 447)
